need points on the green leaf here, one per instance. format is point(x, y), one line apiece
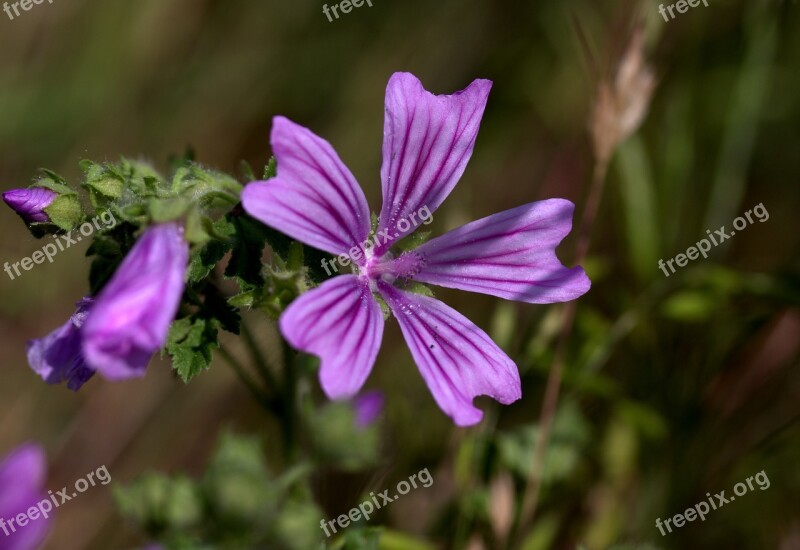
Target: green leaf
point(418, 288)
point(543, 533)
point(395, 540)
point(296, 257)
point(238, 485)
point(245, 299)
point(745, 101)
point(109, 248)
point(637, 188)
point(176, 162)
point(247, 171)
point(195, 227)
point(167, 209)
point(646, 419)
point(204, 258)
point(207, 187)
point(159, 504)
point(104, 183)
point(248, 242)
point(569, 435)
point(271, 169)
point(412, 241)
point(190, 343)
point(690, 306)
point(65, 212)
point(297, 525)
point(338, 440)
point(359, 539)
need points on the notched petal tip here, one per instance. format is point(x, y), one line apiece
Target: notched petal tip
point(427, 143)
point(457, 360)
point(412, 83)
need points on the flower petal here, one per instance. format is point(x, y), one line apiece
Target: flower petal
point(23, 471)
point(457, 359)
point(131, 316)
point(427, 143)
point(58, 357)
point(510, 255)
point(314, 198)
point(342, 324)
point(22, 478)
point(368, 407)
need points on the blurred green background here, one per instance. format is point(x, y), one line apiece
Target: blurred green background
point(674, 387)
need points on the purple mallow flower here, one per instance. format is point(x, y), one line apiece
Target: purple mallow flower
point(131, 315)
point(22, 478)
point(58, 356)
point(117, 333)
point(428, 141)
point(30, 203)
point(368, 407)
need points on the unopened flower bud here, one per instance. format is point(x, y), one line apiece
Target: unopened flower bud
point(30, 203)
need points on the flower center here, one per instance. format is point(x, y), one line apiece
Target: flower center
point(388, 268)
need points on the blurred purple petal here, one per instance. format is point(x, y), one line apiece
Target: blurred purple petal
point(132, 314)
point(457, 359)
point(342, 324)
point(368, 406)
point(314, 198)
point(22, 478)
point(510, 255)
point(427, 143)
point(58, 357)
point(30, 203)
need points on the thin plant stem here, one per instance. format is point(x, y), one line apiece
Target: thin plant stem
point(553, 388)
point(258, 358)
point(246, 379)
point(289, 402)
point(480, 440)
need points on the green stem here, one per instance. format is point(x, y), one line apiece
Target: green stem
point(258, 357)
point(530, 498)
point(245, 378)
point(289, 423)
